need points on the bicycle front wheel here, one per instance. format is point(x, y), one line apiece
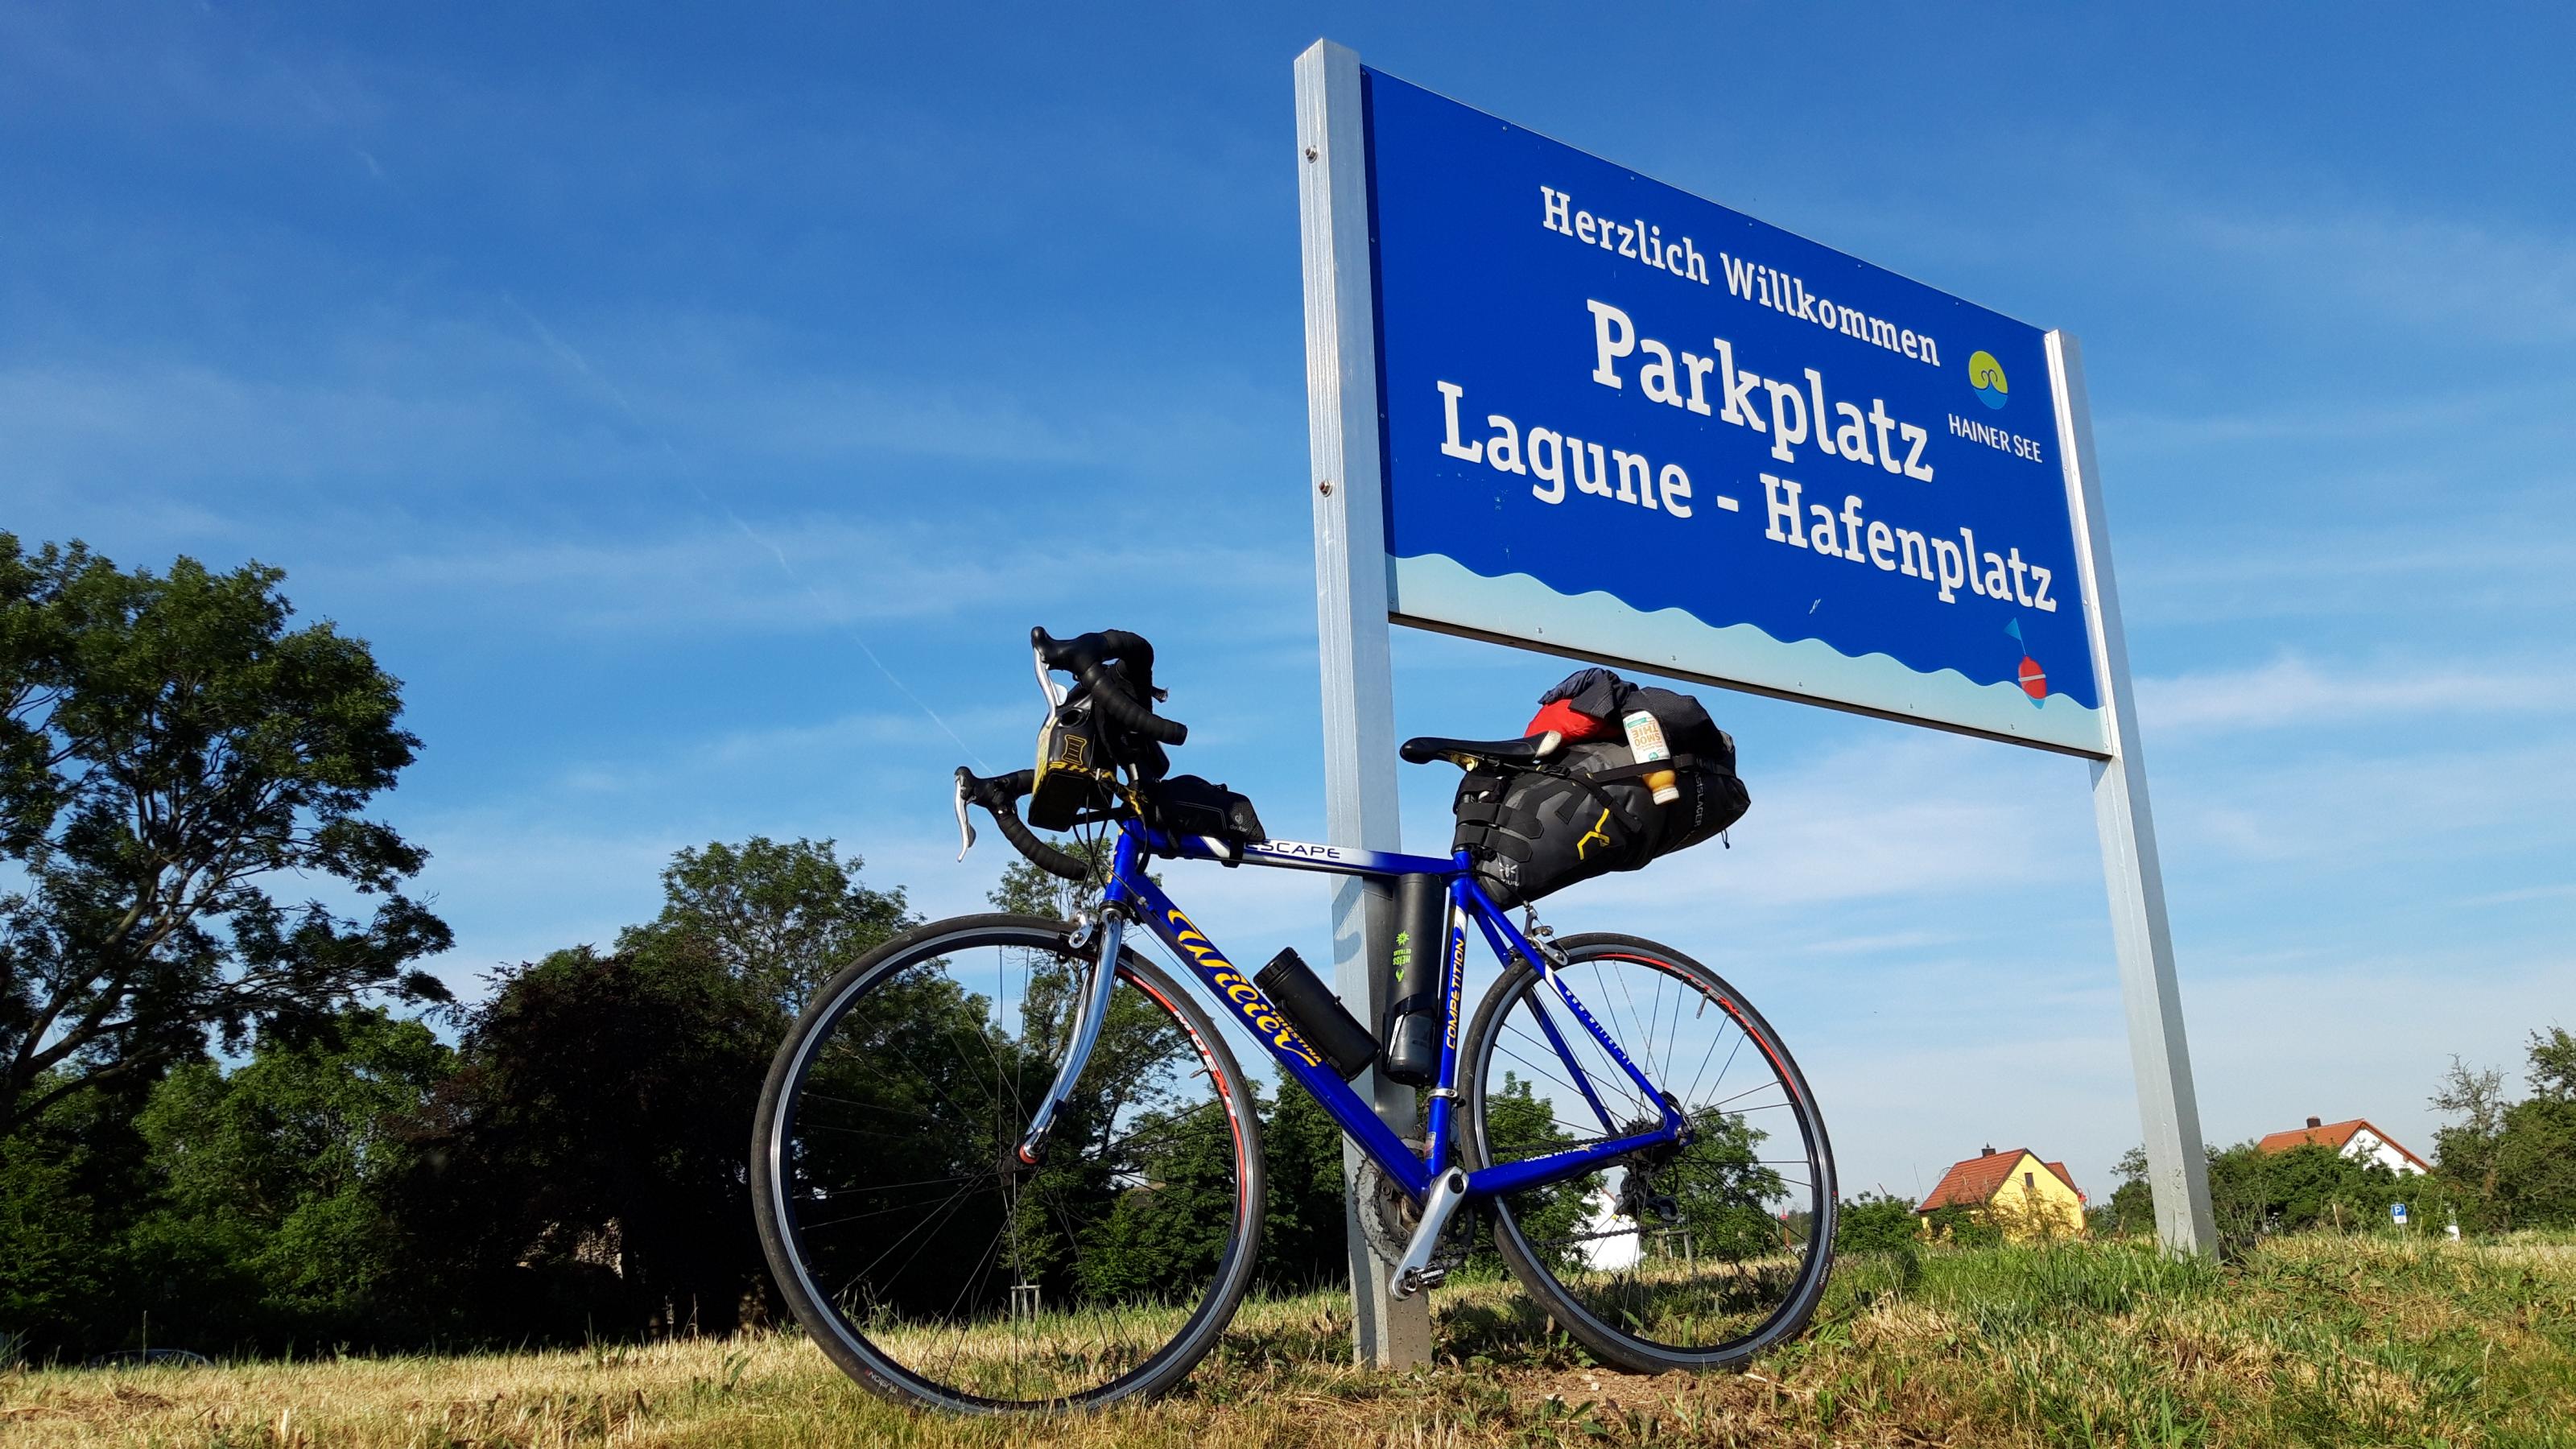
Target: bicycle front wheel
point(927, 1261)
point(1689, 1257)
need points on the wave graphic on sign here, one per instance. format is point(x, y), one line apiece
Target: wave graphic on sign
point(1432, 588)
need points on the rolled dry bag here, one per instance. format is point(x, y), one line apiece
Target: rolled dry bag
point(1316, 1013)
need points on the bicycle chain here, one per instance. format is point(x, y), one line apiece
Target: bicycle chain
point(1388, 1217)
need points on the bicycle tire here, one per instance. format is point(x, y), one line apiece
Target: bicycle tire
point(1583, 1319)
point(783, 1239)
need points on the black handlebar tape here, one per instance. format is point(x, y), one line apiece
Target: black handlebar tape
point(1078, 653)
point(1000, 796)
point(1119, 644)
point(1114, 701)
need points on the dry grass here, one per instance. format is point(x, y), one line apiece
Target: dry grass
point(2312, 1341)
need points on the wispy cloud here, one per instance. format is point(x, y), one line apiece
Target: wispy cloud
point(1895, 817)
point(2507, 568)
point(2460, 276)
point(709, 579)
point(2343, 810)
point(2291, 690)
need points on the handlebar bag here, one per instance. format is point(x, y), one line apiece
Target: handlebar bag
point(1073, 776)
point(1534, 832)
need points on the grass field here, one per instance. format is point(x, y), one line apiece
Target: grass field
point(2308, 1341)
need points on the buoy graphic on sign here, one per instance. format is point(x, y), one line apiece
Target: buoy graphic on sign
point(2034, 680)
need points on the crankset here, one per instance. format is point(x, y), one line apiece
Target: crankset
point(1388, 1220)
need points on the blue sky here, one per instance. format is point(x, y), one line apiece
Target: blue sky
point(655, 395)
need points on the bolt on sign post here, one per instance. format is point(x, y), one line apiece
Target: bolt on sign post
point(1558, 405)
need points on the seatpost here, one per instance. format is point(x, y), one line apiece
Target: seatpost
point(1092, 1008)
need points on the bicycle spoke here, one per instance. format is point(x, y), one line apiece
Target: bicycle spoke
point(1002, 1281)
point(1693, 1248)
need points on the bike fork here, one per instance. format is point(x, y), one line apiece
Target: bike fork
point(1091, 1009)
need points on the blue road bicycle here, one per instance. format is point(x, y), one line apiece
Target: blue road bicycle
point(1005, 1162)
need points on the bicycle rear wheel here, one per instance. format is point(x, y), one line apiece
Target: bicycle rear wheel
point(1680, 1258)
point(929, 1263)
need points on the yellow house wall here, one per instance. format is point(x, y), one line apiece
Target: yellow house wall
point(2048, 1207)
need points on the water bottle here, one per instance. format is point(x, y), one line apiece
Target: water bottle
point(1412, 1030)
point(1646, 742)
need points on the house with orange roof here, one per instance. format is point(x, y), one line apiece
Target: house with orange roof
point(2355, 1139)
point(2016, 1191)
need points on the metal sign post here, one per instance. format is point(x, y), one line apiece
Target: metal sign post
point(1558, 405)
point(2168, 1107)
point(1351, 617)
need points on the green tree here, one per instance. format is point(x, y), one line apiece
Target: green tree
point(1029, 891)
point(2466, 1151)
point(2132, 1208)
point(2309, 1188)
point(2536, 1152)
point(1305, 1231)
point(781, 918)
point(2513, 1164)
point(1874, 1223)
point(1174, 1210)
point(74, 1181)
point(1964, 1225)
point(282, 1187)
point(2553, 1065)
point(1723, 1188)
point(54, 1258)
point(598, 1132)
point(169, 746)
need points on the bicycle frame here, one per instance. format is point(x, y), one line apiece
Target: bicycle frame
point(1131, 894)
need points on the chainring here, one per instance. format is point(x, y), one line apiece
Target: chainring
point(1387, 1216)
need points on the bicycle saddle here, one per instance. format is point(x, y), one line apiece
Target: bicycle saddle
point(1423, 749)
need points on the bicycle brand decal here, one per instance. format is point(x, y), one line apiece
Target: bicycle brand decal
point(1457, 975)
point(1302, 850)
point(1247, 998)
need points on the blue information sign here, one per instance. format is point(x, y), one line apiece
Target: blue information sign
point(1627, 423)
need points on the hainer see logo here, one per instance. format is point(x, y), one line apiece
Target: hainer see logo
point(1987, 376)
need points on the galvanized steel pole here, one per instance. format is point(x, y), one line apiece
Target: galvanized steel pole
point(1351, 616)
point(2159, 1057)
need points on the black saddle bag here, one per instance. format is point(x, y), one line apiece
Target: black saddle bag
point(1588, 812)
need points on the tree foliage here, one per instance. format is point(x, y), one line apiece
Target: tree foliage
point(1876, 1223)
point(2513, 1163)
point(282, 1207)
point(170, 747)
point(599, 1124)
point(209, 1123)
point(780, 918)
point(1305, 1239)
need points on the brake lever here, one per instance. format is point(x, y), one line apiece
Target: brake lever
point(1053, 691)
point(965, 827)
